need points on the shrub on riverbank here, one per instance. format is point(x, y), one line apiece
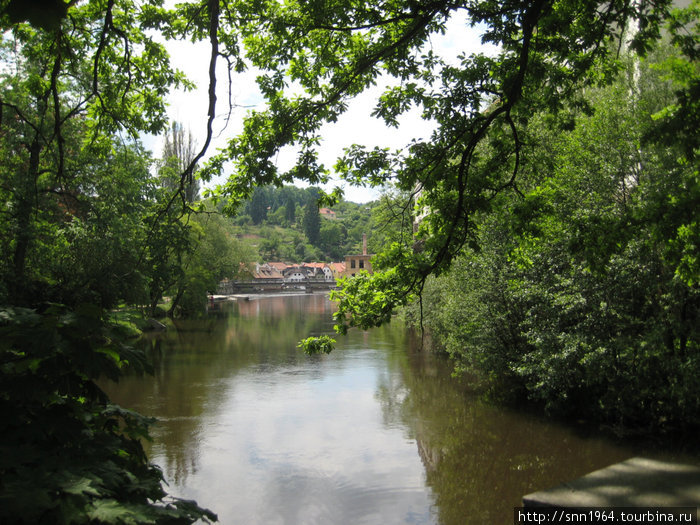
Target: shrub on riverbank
point(67, 454)
point(583, 295)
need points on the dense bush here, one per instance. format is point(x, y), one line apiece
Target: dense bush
point(583, 295)
point(67, 455)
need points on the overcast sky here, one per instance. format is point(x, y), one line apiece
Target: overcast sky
point(356, 126)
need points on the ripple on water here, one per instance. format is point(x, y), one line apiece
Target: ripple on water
point(315, 497)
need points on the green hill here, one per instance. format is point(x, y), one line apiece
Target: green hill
point(275, 224)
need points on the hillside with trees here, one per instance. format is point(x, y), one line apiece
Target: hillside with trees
point(285, 224)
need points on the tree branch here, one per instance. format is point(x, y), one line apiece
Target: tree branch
point(213, 6)
point(57, 107)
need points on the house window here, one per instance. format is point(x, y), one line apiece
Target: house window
point(362, 264)
point(352, 263)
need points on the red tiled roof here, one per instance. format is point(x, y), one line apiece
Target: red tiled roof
point(279, 266)
point(315, 264)
point(337, 267)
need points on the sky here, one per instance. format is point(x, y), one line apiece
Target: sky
point(356, 126)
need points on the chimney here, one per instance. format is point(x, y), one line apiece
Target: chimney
point(364, 244)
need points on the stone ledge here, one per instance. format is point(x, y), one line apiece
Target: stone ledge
point(636, 482)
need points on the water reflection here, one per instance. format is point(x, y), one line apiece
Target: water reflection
point(480, 459)
point(377, 432)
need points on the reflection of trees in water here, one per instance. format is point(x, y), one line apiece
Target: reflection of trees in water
point(194, 365)
point(481, 459)
point(175, 399)
point(391, 390)
point(309, 304)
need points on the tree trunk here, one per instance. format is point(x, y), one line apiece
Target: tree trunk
point(26, 197)
point(176, 301)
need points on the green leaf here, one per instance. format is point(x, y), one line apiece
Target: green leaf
point(317, 345)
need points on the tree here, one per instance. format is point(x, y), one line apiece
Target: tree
point(179, 150)
point(216, 255)
point(312, 222)
point(333, 52)
point(85, 75)
point(170, 238)
point(290, 210)
point(331, 238)
point(75, 91)
point(269, 248)
point(277, 217)
point(258, 206)
point(574, 294)
point(391, 221)
point(190, 248)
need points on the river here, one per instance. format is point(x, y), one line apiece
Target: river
point(378, 432)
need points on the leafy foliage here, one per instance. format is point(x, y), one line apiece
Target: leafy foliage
point(480, 106)
point(569, 207)
point(68, 456)
point(83, 225)
point(576, 298)
point(281, 235)
point(179, 151)
point(317, 345)
point(215, 254)
point(77, 238)
point(312, 222)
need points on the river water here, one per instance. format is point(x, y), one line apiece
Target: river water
point(377, 432)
